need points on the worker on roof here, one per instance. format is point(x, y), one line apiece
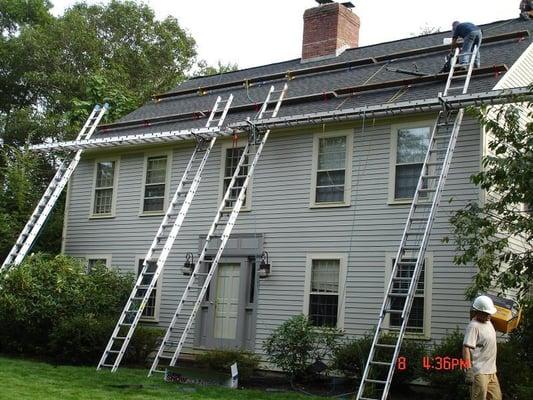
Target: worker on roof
point(479, 352)
point(526, 9)
point(471, 35)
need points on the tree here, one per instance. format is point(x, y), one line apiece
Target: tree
point(205, 70)
point(496, 236)
point(52, 72)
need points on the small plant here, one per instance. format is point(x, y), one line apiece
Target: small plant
point(221, 360)
point(296, 344)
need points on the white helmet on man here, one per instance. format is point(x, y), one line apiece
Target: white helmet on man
point(484, 304)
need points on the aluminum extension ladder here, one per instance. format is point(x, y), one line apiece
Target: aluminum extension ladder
point(170, 349)
point(43, 209)
point(409, 261)
point(154, 261)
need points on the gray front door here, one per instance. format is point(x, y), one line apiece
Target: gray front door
point(227, 316)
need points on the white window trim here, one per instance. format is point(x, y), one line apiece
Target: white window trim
point(228, 144)
point(393, 150)
point(168, 177)
point(342, 282)
point(348, 133)
point(106, 257)
point(92, 215)
point(428, 293)
point(158, 288)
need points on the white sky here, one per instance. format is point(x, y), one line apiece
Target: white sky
point(258, 32)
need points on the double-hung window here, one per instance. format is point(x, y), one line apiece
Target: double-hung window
point(92, 262)
point(332, 169)
point(409, 149)
point(105, 188)
point(323, 303)
point(230, 157)
point(155, 184)
point(151, 310)
point(419, 317)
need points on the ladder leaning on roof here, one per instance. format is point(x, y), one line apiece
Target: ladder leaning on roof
point(409, 261)
point(234, 196)
point(156, 257)
point(43, 209)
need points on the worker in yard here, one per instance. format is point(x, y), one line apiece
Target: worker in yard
point(526, 9)
point(471, 35)
point(479, 352)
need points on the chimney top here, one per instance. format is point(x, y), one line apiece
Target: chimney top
point(329, 29)
point(347, 4)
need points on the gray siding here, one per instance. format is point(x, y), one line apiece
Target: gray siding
point(366, 231)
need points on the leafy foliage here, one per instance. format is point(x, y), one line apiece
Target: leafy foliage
point(487, 235)
point(350, 358)
point(296, 344)
point(50, 306)
point(221, 360)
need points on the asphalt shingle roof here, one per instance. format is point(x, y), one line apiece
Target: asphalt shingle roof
point(495, 53)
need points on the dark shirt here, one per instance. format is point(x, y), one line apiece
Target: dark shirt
point(463, 29)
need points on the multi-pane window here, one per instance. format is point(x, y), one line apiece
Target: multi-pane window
point(331, 170)
point(415, 324)
point(155, 184)
point(104, 186)
point(324, 293)
point(231, 160)
point(411, 148)
point(150, 311)
point(93, 262)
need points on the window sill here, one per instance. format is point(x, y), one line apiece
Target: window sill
point(329, 205)
point(154, 214)
point(417, 336)
point(106, 216)
point(149, 320)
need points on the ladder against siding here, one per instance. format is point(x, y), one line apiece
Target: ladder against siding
point(156, 257)
point(409, 261)
point(45, 206)
point(221, 228)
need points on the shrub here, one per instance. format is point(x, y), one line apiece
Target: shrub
point(49, 306)
point(350, 358)
point(221, 360)
point(296, 344)
point(450, 384)
point(145, 340)
point(80, 339)
point(515, 359)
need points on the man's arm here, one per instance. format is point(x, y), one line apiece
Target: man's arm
point(466, 356)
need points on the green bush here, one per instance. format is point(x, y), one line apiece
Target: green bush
point(145, 340)
point(221, 360)
point(50, 307)
point(515, 359)
point(449, 384)
point(350, 358)
point(296, 344)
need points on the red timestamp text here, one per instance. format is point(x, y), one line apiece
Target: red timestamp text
point(436, 363)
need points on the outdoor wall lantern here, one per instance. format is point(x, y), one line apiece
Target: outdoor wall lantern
point(264, 267)
point(188, 267)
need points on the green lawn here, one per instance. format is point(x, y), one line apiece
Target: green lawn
point(22, 379)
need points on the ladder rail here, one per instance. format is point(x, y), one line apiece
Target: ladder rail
point(166, 247)
point(45, 205)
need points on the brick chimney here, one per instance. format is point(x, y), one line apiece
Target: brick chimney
point(329, 29)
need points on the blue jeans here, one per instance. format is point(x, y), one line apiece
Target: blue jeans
point(471, 40)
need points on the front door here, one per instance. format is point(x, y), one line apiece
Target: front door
point(226, 301)
point(227, 315)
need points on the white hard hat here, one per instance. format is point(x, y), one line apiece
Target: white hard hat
point(484, 304)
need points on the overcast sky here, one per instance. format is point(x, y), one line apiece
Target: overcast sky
point(258, 32)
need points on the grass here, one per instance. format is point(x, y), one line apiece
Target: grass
point(23, 379)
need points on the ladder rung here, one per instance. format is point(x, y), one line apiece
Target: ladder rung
point(376, 381)
point(391, 328)
point(418, 219)
point(427, 190)
point(430, 176)
point(119, 338)
point(368, 398)
point(411, 247)
point(401, 278)
point(391, 311)
point(380, 363)
point(398, 294)
point(107, 365)
point(159, 371)
point(385, 346)
point(113, 351)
